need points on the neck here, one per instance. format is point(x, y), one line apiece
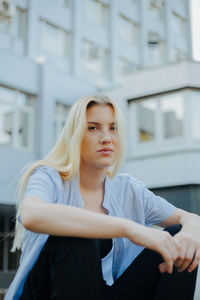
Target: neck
point(92, 179)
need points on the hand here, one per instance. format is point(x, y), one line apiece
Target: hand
point(189, 256)
point(159, 241)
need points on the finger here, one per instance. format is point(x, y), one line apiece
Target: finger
point(162, 267)
point(195, 262)
point(168, 260)
point(188, 258)
point(172, 247)
point(173, 251)
point(181, 257)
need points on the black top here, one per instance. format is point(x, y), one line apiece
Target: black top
point(105, 246)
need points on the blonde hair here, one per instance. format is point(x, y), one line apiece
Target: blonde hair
point(65, 155)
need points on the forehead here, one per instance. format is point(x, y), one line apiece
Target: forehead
point(100, 113)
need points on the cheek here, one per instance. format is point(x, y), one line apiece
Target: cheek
point(117, 142)
point(88, 142)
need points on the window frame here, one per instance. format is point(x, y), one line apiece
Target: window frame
point(17, 110)
point(160, 143)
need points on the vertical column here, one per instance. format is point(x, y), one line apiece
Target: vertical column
point(44, 112)
point(76, 40)
point(143, 36)
point(113, 32)
point(33, 32)
point(188, 29)
point(169, 50)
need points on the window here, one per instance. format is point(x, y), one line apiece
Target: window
point(95, 58)
point(5, 25)
point(159, 120)
point(156, 9)
point(146, 112)
point(172, 115)
point(15, 24)
point(6, 13)
point(126, 67)
point(61, 114)
point(156, 49)
point(128, 30)
point(55, 40)
point(97, 12)
point(8, 261)
point(16, 119)
point(178, 24)
point(20, 23)
point(195, 99)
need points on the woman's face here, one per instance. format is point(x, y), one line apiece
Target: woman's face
point(100, 145)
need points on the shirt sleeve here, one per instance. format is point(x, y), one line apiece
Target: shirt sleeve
point(156, 208)
point(45, 183)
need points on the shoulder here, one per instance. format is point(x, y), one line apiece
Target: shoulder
point(46, 174)
point(125, 181)
point(125, 178)
point(44, 182)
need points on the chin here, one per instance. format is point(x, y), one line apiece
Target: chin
point(107, 164)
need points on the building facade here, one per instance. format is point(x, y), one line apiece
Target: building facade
point(53, 52)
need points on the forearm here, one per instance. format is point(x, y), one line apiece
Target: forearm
point(189, 219)
point(65, 220)
point(190, 223)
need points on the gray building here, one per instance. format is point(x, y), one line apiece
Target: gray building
point(52, 52)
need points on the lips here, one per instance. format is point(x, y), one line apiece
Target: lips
point(105, 150)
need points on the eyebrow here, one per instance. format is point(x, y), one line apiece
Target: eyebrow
point(96, 123)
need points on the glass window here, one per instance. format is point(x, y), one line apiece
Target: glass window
point(20, 24)
point(6, 13)
point(156, 9)
point(1, 224)
point(172, 115)
point(7, 105)
point(8, 260)
point(55, 40)
point(156, 49)
point(61, 114)
point(128, 30)
point(146, 113)
point(195, 97)
point(16, 122)
point(5, 25)
point(97, 12)
point(126, 67)
point(178, 24)
point(13, 258)
point(95, 58)
point(1, 253)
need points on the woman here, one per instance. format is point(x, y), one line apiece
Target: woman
point(84, 229)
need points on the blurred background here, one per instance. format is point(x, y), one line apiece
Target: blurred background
point(143, 53)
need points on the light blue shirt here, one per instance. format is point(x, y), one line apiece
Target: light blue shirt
point(124, 197)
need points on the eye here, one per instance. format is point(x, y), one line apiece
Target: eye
point(113, 128)
point(92, 128)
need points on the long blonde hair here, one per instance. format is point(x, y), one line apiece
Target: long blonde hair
point(65, 155)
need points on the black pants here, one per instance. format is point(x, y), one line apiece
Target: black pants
point(70, 268)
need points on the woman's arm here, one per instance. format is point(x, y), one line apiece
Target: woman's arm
point(188, 238)
point(64, 220)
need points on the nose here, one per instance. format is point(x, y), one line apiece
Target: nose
point(105, 137)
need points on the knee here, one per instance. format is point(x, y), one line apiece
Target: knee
point(173, 229)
